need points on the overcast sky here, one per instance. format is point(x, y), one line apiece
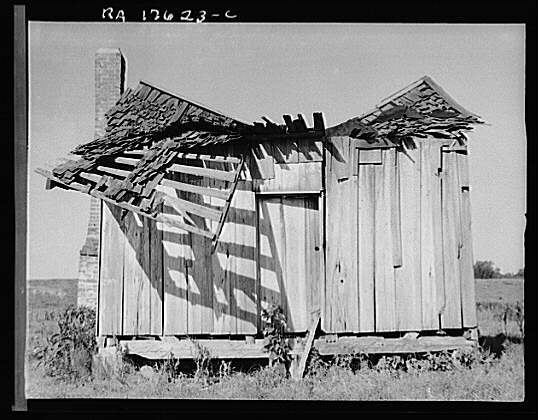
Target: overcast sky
point(253, 70)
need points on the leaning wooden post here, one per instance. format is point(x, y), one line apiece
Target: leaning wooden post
point(297, 370)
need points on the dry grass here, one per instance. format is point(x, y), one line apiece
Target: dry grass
point(494, 374)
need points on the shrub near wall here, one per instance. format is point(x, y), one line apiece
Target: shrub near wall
point(67, 354)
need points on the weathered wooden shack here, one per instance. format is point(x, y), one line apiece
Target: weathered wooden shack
point(361, 232)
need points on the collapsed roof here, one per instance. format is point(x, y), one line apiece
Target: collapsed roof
point(419, 110)
point(151, 133)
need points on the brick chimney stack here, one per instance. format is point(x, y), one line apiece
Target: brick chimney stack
point(109, 85)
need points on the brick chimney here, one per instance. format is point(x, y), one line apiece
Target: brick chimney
point(109, 85)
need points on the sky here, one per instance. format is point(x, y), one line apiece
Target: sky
point(248, 71)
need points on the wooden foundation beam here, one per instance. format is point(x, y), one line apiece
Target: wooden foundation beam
point(372, 345)
point(185, 348)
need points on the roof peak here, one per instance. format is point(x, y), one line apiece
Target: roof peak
point(184, 98)
point(434, 86)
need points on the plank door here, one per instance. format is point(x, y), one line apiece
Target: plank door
point(289, 257)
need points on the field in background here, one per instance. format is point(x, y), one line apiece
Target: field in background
point(500, 378)
point(499, 290)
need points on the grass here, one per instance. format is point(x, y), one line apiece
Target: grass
point(493, 373)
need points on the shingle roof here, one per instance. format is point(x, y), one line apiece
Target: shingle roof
point(420, 109)
point(160, 128)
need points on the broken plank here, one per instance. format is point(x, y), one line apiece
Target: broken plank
point(127, 161)
point(190, 207)
point(90, 177)
point(289, 123)
point(318, 121)
point(113, 171)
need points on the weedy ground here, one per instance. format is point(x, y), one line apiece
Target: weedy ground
point(492, 372)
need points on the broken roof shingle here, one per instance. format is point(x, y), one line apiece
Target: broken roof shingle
point(421, 109)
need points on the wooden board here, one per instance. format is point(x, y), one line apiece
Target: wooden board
point(223, 282)
point(428, 183)
point(313, 267)
point(370, 156)
point(466, 252)
point(244, 293)
point(223, 279)
point(193, 208)
point(341, 288)
point(372, 345)
point(437, 228)
point(186, 349)
point(156, 278)
point(299, 177)
point(298, 372)
point(396, 217)
point(407, 276)
point(451, 317)
point(240, 349)
point(338, 157)
point(136, 269)
point(200, 284)
point(365, 241)
point(176, 260)
point(385, 293)
point(111, 272)
point(285, 228)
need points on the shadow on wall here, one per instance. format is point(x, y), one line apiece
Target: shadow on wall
point(215, 271)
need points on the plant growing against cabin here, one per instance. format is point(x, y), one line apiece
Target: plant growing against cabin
point(202, 359)
point(274, 332)
point(170, 368)
point(68, 352)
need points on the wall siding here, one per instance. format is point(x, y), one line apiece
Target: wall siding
point(398, 251)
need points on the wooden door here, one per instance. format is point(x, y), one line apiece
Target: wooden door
point(289, 256)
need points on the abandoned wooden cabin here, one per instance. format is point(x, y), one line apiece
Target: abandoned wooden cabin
point(361, 232)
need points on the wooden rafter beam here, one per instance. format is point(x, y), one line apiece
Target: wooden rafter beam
point(181, 186)
point(205, 172)
point(227, 205)
point(170, 220)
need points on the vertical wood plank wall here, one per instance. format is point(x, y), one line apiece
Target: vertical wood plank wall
point(408, 274)
point(410, 233)
point(398, 251)
point(130, 295)
point(341, 302)
point(466, 260)
point(111, 272)
point(450, 213)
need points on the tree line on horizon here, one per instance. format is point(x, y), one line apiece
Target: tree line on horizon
point(488, 270)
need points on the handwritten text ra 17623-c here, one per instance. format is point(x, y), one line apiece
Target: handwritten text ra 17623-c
point(156, 15)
